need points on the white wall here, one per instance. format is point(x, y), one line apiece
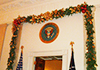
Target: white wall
point(71, 29)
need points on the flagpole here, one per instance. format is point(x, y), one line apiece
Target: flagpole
point(71, 43)
point(22, 52)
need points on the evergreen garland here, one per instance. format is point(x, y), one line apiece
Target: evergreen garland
point(87, 12)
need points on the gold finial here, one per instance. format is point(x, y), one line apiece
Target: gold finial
point(71, 43)
point(22, 47)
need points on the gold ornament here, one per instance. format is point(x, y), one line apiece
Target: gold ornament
point(14, 35)
point(87, 40)
point(32, 22)
point(75, 8)
point(57, 15)
point(54, 15)
point(89, 31)
point(40, 21)
point(78, 6)
point(33, 18)
point(76, 12)
point(93, 58)
point(37, 21)
point(63, 9)
point(61, 16)
point(93, 43)
point(51, 18)
point(55, 11)
point(70, 8)
point(89, 59)
point(93, 46)
point(13, 47)
point(12, 54)
point(17, 28)
point(90, 22)
point(10, 61)
point(91, 35)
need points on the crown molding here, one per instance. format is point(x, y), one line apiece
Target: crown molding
point(19, 4)
point(13, 5)
point(11, 10)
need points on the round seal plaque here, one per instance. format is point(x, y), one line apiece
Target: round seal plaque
point(49, 32)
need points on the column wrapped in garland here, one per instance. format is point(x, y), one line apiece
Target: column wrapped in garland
point(14, 47)
point(83, 8)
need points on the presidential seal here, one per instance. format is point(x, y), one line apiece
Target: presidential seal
point(49, 32)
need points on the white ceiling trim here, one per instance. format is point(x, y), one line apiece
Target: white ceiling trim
point(19, 4)
point(13, 5)
point(5, 1)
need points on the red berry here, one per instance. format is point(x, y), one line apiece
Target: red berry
point(82, 7)
point(85, 6)
point(83, 11)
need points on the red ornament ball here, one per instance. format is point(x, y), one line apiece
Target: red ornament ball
point(83, 11)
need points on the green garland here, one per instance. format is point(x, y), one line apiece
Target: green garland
point(84, 8)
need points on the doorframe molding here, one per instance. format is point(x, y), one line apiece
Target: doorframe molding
point(63, 53)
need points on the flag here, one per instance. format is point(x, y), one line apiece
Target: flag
point(72, 64)
point(20, 63)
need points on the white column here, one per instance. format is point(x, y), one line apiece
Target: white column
point(30, 62)
point(65, 61)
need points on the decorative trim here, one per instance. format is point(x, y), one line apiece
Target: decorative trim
point(23, 4)
point(63, 53)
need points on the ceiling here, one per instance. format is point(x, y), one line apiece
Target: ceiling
point(8, 5)
point(5, 1)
